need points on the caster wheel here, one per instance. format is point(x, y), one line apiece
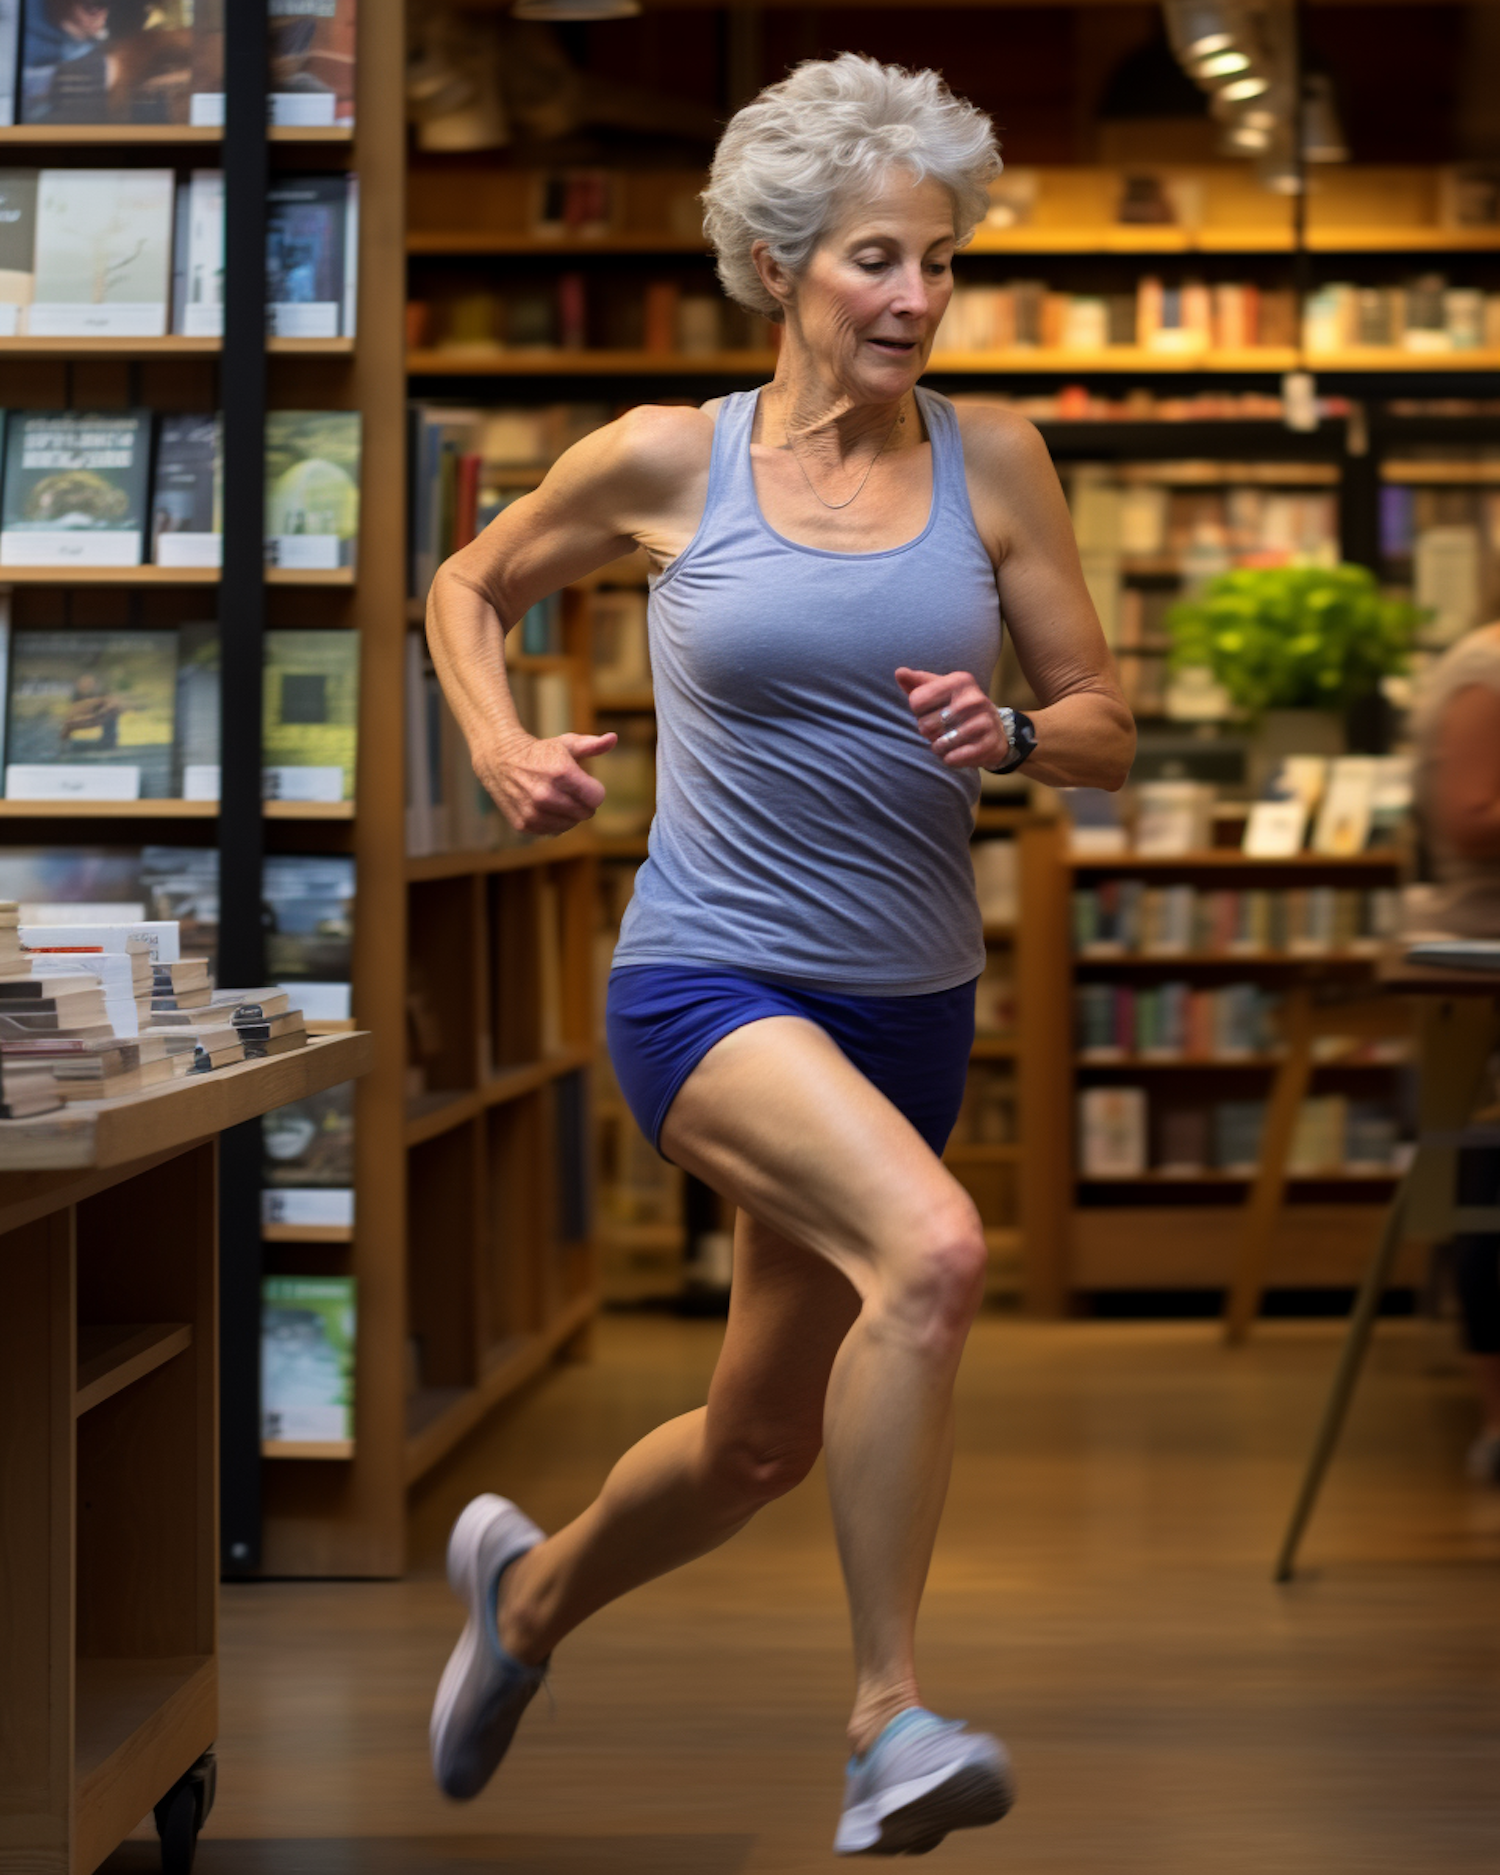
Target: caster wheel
point(181, 1813)
point(177, 1826)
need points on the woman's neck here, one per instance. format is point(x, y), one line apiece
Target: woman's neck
point(805, 407)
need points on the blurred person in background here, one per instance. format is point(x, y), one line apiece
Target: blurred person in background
point(1458, 793)
point(791, 1007)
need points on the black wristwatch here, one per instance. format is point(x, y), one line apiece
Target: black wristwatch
point(1020, 733)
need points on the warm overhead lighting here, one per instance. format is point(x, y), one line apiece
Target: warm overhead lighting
point(1322, 136)
point(562, 11)
point(1251, 138)
point(1221, 65)
point(1240, 90)
point(1199, 28)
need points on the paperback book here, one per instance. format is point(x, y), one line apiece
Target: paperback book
point(180, 886)
point(312, 61)
point(311, 262)
point(90, 715)
point(307, 1363)
point(311, 695)
point(312, 488)
point(75, 488)
point(108, 63)
point(187, 501)
point(18, 188)
point(198, 257)
point(308, 1159)
point(10, 58)
point(103, 253)
point(198, 712)
point(309, 921)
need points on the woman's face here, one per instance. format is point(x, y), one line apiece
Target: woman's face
point(869, 301)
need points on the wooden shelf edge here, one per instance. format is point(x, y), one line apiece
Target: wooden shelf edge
point(1260, 1064)
point(1215, 858)
point(165, 576)
point(433, 1443)
point(74, 809)
point(111, 1359)
point(1159, 1181)
point(320, 1449)
point(86, 136)
point(1247, 960)
point(509, 1084)
point(139, 1723)
point(581, 843)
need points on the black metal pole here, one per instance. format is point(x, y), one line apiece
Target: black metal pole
point(242, 620)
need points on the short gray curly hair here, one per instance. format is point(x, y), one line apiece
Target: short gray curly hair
point(828, 132)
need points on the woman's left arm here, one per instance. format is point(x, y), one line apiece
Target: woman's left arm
point(1084, 733)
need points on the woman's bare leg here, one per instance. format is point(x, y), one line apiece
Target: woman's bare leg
point(777, 1117)
point(689, 1485)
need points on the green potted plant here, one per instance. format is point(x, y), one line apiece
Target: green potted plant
point(1293, 647)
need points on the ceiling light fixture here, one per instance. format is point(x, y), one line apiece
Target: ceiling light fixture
point(1241, 90)
point(1221, 65)
point(1199, 28)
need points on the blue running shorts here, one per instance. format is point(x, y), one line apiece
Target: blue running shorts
point(662, 1019)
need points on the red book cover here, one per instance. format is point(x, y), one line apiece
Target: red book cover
point(312, 61)
point(466, 500)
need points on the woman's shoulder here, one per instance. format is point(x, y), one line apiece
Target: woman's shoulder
point(997, 440)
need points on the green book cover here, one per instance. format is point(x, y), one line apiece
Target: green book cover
point(312, 488)
point(311, 711)
point(75, 488)
point(307, 1360)
point(96, 699)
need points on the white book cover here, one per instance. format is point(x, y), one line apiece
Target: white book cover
point(293, 783)
point(200, 307)
point(321, 1002)
point(103, 253)
point(29, 546)
point(1173, 817)
point(1343, 824)
point(1275, 829)
point(310, 1205)
point(72, 781)
point(190, 550)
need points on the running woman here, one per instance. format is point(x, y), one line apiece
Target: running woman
point(792, 1000)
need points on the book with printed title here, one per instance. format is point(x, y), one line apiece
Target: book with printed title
point(307, 1363)
point(187, 520)
point(311, 714)
point(91, 715)
point(308, 907)
point(75, 488)
point(309, 224)
point(198, 256)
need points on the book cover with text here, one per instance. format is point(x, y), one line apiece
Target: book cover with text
point(311, 713)
point(312, 488)
point(306, 241)
point(187, 521)
point(307, 1363)
point(75, 488)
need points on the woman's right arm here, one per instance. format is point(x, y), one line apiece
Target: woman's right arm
point(611, 491)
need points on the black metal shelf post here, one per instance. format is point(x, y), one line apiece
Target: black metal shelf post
point(242, 620)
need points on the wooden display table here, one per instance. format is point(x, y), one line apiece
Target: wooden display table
point(109, 1459)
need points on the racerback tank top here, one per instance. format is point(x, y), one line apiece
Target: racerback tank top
point(804, 827)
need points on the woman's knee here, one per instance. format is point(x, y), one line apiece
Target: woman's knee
point(751, 1469)
point(933, 1285)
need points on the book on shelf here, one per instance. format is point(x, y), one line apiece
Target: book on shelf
point(1274, 829)
point(18, 192)
point(312, 488)
point(1346, 810)
point(311, 714)
point(196, 755)
point(996, 880)
point(157, 939)
point(198, 256)
point(103, 254)
point(312, 266)
point(312, 59)
point(1112, 1132)
point(307, 1363)
point(10, 59)
point(90, 715)
point(995, 996)
point(179, 887)
point(107, 64)
point(1126, 917)
point(75, 488)
point(309, 907)
point(187, 492)
point(308, 1160)
point(1173, 817)
point(622, 655)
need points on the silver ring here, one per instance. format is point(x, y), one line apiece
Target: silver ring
point(945, 715)
point(952, 736)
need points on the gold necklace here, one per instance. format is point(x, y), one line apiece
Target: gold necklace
point(899, 418)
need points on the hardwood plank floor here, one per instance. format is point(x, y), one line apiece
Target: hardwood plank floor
point(1101, 1597)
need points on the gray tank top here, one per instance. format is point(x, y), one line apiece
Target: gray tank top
point(804, 828)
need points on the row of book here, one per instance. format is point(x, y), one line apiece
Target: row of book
point(100, 488)
point(1173, 1020)
point(989, 1114)
point(129, 715)
point(138, 253)
point(1127, 917)
point(111, 63)
point(1082, 403)
point(447, 808)
point(1247, 520)
point(1122, 1133)
point(307, 907)
point(1193, 316)
point(574, 312)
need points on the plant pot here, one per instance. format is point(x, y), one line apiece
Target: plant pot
point(1281, 733)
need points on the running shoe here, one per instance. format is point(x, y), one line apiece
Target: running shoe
point(921, 1778)
point(483, 1691)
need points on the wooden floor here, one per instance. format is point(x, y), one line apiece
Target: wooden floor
point(1101, 1597)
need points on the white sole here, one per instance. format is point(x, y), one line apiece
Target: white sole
point(912, 1817)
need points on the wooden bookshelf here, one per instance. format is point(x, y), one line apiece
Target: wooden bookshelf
point(1160, 1229)
point(166, 810)
point(91, 136)
point(169, 345)
point(165, 576)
